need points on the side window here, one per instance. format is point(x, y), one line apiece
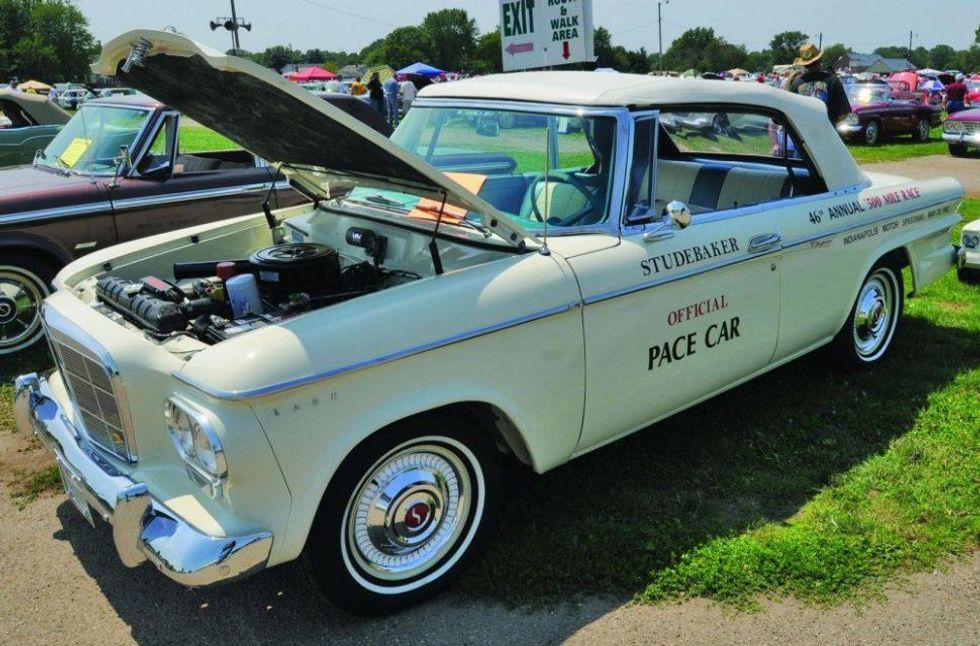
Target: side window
point(727, 159)
point(641, 203)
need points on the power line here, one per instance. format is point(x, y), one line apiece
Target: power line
point(349, 14)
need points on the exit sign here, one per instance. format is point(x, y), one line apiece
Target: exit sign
point(542, 33)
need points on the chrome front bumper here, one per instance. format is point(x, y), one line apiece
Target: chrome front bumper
point(970, 138)
point(142, 527)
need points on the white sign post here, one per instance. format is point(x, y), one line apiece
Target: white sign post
point(542, 33)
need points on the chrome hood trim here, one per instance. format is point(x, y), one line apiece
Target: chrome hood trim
point(277, 120)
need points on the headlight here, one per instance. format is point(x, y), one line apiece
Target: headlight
point(971, 240)
point(195, 439)
point(852, 119)
point(954, 127)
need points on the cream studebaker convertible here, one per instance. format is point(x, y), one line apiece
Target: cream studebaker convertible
point(346, 377)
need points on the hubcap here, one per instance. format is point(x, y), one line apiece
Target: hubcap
point(871, 133)
point(924, 129)
point(409, 511)
point(873, 316)
point(20, 302)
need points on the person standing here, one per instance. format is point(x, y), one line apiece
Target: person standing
point(391, 100)
point(956, 95)
point(357, 88)
point(407, 90)
point(819, 83)
point(377, 94)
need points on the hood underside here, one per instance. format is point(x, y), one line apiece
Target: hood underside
point(275, 119)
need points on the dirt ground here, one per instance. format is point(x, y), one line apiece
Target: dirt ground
point(965, 169)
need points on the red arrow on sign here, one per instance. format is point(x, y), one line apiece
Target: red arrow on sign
point(519, 48)
point(565, 52)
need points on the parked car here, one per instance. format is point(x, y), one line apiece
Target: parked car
point(107, 92)
point(72, 99)
point(968, 261)
point(878, 110)
point(973, 92)
point(367, 361)
point(84, 192)
point(961, 131)
point(32, 121)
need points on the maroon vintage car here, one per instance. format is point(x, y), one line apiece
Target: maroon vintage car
point(115, 172)
point(962, 131)
point(881, 110)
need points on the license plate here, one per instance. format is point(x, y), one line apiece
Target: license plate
point(74, 490)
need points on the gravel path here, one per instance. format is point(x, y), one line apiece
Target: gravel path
point(62, 583)
point(965, 169)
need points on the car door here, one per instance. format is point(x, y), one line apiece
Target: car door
point(673, 314)
point(164, 192)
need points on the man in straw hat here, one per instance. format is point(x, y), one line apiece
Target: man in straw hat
point(814, 81)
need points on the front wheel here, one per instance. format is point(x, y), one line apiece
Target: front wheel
point(922, 130)
point(870, 329)
point(872, 133)
point(405, 513)
point(23, 285)
point(957, 150)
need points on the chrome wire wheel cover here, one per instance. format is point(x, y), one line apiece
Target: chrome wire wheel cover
point(874, 315)
point(924, 130)
point(21, 293)
point(409, 511)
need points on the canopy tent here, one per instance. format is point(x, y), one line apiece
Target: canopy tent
point(929, 72)
point(312, 74)
point(932, 85)
point(421, 69)
point(384, 72)
point(738, 71)
point(37, 86)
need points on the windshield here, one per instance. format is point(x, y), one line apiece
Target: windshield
point(532, 167)
point(865, 94)
point(90, 142)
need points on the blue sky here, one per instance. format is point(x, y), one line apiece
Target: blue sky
point(340, 24)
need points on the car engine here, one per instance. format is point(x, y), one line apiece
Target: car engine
point(218, 300)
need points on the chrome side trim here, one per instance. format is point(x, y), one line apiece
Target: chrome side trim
point(170, 198)
point(374, 361)
point(57, 212)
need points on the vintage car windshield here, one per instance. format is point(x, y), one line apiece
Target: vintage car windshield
point(533, 167)
point(861, 94)
point(90, 142)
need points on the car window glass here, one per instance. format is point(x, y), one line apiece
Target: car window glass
point(533, 167)
point(725, 159)
point(640, 202)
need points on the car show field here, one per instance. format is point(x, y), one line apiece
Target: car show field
point(508, 336)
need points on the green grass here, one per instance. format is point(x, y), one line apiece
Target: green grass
point(802, 482)
point(898, 148)
point(26, 487)
point(200, 139)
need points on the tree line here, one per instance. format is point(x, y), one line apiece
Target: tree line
point(45, 39)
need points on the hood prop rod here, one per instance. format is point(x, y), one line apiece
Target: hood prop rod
point(269, 218)
point(433, 247)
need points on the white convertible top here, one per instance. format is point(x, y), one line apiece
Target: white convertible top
point(808, 116)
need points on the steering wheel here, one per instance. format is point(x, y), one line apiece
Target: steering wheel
point(593, 202)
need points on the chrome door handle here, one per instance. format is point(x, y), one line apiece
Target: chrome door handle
point(765, 242)
point(657, 236)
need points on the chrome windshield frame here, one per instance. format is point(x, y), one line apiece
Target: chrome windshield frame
point(621, 151)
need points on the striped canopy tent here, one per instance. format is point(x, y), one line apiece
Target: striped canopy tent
point(37, 86)
point(312, 74)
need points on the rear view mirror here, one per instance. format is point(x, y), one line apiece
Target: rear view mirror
point(488, 127)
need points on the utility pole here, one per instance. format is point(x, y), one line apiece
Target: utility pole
point(660, 38)
point(909, 59)
point(232, 24)
point(820, 42)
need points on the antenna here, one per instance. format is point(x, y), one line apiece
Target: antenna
point(547, 198)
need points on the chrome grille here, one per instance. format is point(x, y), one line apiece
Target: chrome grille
point(93, 391)
point(972, 126)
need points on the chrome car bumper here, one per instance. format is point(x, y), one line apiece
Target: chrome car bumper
point(850, 128)
point(142, 527)
point(972, 138)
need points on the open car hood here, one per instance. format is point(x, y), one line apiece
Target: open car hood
point(277, 120)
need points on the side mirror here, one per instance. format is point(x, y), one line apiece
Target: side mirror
point(156, 169)
point(488, 128)
point(679, 214)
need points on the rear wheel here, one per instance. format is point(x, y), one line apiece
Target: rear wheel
point(922, 130)
point(870, 330)
point(24, 283)
point(405, 514)
point(872, 133)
